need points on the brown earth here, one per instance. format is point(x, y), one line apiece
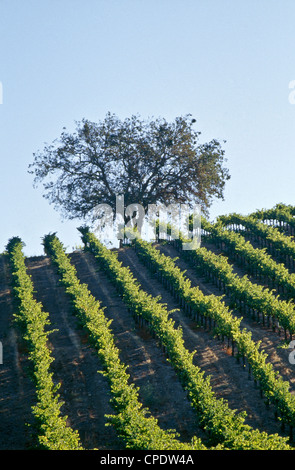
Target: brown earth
point(86, 393)
point(16, 390)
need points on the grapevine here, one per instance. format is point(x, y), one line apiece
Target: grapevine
point(133, 423)
point(52, 429)
point(223, 425)
point(226, 325)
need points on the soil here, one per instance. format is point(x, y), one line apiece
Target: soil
point(86, 393)
point(16, 390)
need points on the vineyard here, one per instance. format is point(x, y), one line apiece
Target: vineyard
point(151, 347)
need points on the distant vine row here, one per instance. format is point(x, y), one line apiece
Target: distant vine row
point(223, 425)
point(256, 260)
point(282, 215)
point(249, 297)
point(270, 237)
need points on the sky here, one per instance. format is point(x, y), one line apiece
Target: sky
point(229, 63)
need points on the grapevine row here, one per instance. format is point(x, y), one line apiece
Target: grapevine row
point(222, 424)
point(257, 261)
point(134, 426)
point(53, 433)
point(274, 240)
point(245, 295)
point(281, 215)
point(226, 325)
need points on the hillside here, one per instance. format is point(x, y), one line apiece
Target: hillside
point(86, 394)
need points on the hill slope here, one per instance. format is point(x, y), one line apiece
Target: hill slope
point(86, 393)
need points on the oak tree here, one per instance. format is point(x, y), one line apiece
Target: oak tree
point(147, 161)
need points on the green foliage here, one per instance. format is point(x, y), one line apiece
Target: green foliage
point(244, 294)
point(53, 433)
point(133, 423)
point(148, 162)
point(226, 325)
point(223, 425)
point(281, 213)
point(257, 260)
point(274, 239)
point(225, 428)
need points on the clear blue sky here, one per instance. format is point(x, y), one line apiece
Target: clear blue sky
point(227, 62)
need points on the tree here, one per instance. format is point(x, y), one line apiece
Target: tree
point(148, 162)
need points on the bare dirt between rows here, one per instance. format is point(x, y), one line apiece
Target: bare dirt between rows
point(228, 378)
point(16, 390)
point(159, 388)
point(85, 392)
point(271, 342)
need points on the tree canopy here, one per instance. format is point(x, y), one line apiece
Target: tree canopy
point(148, 162)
